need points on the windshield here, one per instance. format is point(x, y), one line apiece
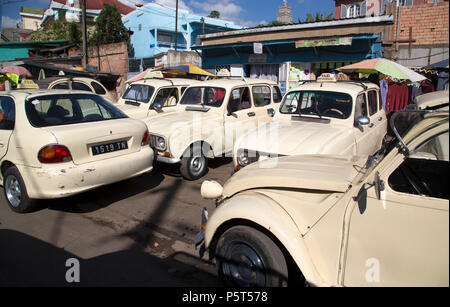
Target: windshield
point(326, 104)
point(205, 96)
point(139, 92)
point(65, 109)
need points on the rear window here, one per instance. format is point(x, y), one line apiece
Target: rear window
point(65, 109)
point(139, 92)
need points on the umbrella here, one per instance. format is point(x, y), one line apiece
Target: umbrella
point(149, 73)
point(18, 70)
point(185, 69)
point(441, 65)
point(386, 67)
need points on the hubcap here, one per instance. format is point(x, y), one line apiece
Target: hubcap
point(13, 192)
point(197, 165)
point(244, 266)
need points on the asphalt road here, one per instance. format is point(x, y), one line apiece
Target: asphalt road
point(137, 232)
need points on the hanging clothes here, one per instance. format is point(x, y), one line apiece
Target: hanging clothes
point(397, 98)
point(442, 83)
point(384, 86)
point(426, 87)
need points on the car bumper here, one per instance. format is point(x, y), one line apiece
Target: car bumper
point(167, 160)
point(65, 179)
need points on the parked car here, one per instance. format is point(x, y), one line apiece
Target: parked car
point(153, 96)
point(381, 220)
point(321, 117)
point(76, 83)
point(207, 120)
point(58, 143)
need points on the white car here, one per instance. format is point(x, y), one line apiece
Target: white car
point(321, 117)
point(57, 143)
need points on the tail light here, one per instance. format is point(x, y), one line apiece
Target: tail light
point(54, 154)
point(145, 139)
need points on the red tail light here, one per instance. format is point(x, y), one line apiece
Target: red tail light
point(145, 139)
point(54, 154)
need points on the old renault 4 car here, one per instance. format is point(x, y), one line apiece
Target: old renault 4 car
point(57, 143)
point(381, 220)
point(152, 96)
point(321, 117)
point(209, 117)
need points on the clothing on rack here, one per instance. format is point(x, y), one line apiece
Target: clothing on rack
point(397, 97)
point(384, 86)
point(426, 87)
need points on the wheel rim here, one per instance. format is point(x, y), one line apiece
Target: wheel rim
point(13, 192)
point(196, 165)
point(244, 266)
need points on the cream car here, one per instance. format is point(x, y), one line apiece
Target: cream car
point(323, 117)
point(58, 143)
point(208, 119)
point(381, 220)
point(153, 96)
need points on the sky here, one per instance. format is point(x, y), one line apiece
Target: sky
point(247, 13)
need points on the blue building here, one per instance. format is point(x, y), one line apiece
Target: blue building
point(153, 28)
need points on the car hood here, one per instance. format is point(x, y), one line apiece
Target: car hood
point(294, 138)
point(133, 111)
point(311, 172)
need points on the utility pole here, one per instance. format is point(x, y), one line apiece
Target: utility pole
point(176, 26)
point(83, 30)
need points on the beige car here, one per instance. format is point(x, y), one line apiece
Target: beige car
point(381, 220)
point(76, 83)
point(153, 96)
point(323, 117)
point(57, 143)
point(208, 119)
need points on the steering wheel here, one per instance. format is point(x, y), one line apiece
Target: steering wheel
point(334, 110)
point(417, 184)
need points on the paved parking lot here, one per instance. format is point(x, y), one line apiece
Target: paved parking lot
point(138, 232)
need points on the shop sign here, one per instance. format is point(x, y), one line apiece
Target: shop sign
point(257, 48)
point(257, 58)
point(335, 41)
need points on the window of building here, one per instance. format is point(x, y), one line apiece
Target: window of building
point(353, 10)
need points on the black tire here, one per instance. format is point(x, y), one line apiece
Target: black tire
point(15, 192)
point(194, 164)
point(247, 257)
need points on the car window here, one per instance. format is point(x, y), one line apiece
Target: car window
point(277, 96)
point(206, 96)
point(361, 106)
point(372, 97)
point(80, 86)
point(321, 103)
point(64, 109)
point(167, 97)
point(139, 92)
point(61, 86)
point(239, 99)
point(98, 88)
point(261, 95)
point(7, 113)
point(425, 171)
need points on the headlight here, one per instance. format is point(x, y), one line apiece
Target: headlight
point(246, 157)
point(158, 142)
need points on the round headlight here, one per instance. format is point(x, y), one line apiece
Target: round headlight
point(161, 143)
point(242, 158)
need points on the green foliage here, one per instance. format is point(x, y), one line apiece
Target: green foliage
point(318, 17)
point(109, 27)
point(214, 14)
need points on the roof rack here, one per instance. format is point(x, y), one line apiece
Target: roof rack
point(360, 83)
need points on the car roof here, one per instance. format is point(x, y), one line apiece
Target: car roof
point(166, 81)
point(351, 87)
point(29, 93)
point(433, 99)
point(44, 83)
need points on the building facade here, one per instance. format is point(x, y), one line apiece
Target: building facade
point(31, 18)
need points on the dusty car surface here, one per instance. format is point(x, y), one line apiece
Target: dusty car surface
point(153, 96)
point(57, 143)
point(323, 117)
point(380, 220)
point(76, 83)
point(209, 117)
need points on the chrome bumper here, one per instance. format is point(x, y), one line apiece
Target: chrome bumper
point(167, 160)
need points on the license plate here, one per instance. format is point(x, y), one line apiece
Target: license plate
point(109, 147)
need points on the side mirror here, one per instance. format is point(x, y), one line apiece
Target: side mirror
point(157, 106)
point(271, 112)
point(363, 120)
point(379, 185)
point(211, 189)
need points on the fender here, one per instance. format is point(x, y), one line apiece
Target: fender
point(270, 215)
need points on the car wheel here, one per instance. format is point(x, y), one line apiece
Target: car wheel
point(16, 192)
point(193, 165)
point(246, 257)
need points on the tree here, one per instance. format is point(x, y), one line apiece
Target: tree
point(318, 17)
point(109, 27)
point(214, 14)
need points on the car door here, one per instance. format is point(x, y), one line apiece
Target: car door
point(167, 97)
point(262, 102)
point(402, 237)
point(240, 116)
point(7, 121)
point(364, 134)
point(377, 117)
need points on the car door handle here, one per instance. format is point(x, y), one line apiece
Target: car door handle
point(250, 114)
point(371, 125)
point(380, 119)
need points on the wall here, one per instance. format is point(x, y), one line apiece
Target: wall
point(30, 23)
